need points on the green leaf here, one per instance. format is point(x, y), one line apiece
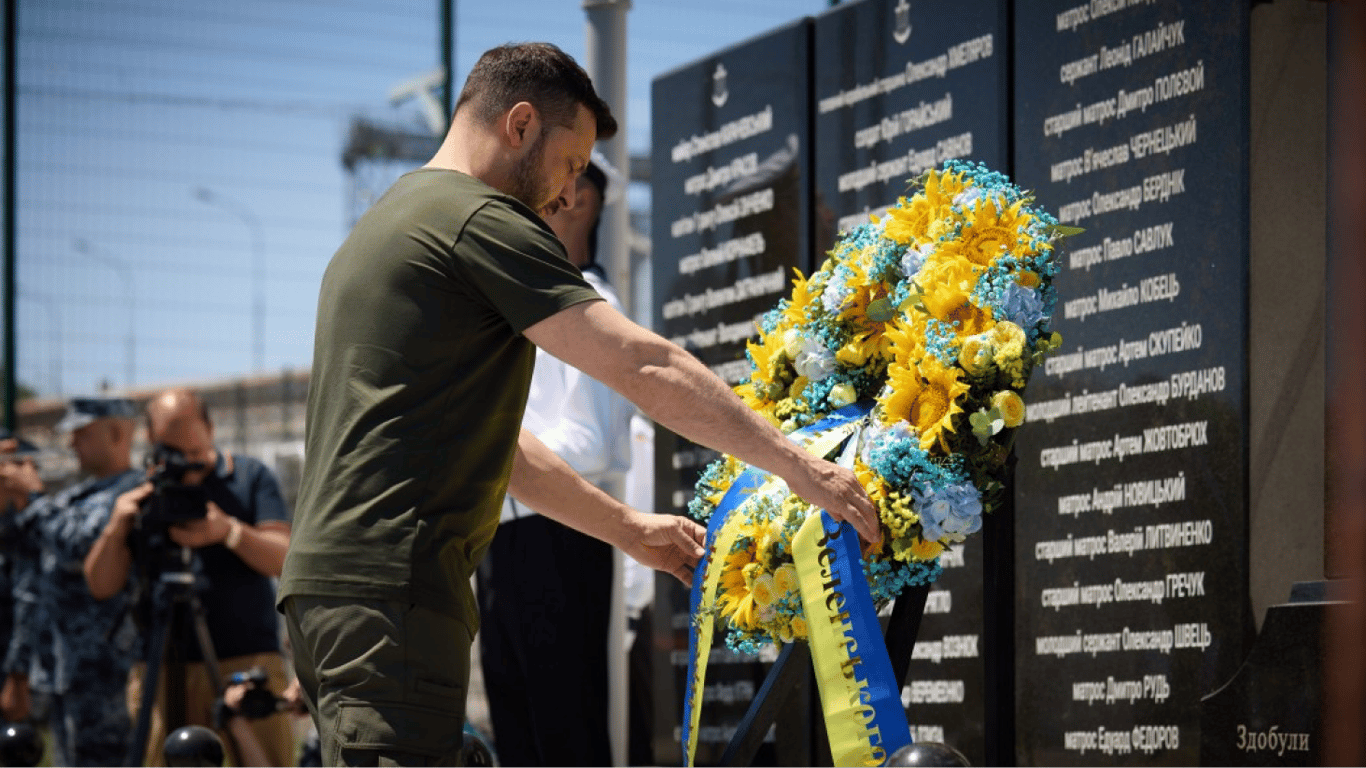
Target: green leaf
point(880, 310)
point(1062, 230)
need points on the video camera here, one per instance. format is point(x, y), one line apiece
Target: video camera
point(172, 500)
point(257, 700)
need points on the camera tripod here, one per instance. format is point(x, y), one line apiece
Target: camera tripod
point(173, 601)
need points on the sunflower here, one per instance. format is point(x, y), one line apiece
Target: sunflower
point(772, 371)
point(948, 288)
point(918, 220)
point(802, 297)
point(935, 405)
point(900, 394)
point(907, 339)
point(991, 231)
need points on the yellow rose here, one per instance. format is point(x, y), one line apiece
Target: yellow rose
point(1011, 406)
point(785, 579)
point(764, 590)
point(799, 627)
point(975, 356)
point(1007, 333)
point(842, 395)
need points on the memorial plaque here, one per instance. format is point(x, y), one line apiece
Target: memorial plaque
point(901, 87)
point(729, 221)
point(1131, 525)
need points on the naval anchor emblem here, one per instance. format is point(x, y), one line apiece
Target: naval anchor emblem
point(719, 94)
point(901, 30)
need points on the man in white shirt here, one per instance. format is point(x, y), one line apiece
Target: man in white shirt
point(545, 589)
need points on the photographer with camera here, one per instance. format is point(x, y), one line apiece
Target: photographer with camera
point(19, 485)
point(236, 539)
point(65, 643)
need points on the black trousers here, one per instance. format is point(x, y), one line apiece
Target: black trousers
point(544, 601)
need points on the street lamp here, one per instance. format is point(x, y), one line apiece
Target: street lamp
point(258, 276)
point(84, 247)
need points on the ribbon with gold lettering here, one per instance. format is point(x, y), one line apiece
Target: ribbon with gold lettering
point(859, 695)
point(820, 439)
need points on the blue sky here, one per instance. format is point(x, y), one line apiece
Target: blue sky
point(129, 108)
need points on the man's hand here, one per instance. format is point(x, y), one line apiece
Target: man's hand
point(667, 543)
point(126, 509)
point(213, 528)
point(18, 477)
point(14, 699)
point(838, 491)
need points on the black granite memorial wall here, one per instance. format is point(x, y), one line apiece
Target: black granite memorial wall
point(1131, 535)
point(1125, 558)
point(730, 143)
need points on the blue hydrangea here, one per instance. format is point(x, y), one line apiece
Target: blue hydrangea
point(954, 511)
point(1022, 306)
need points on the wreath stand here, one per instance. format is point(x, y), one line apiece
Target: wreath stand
point(794, 664)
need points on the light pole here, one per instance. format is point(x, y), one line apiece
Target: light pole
point(85, 248)
point(258, 268)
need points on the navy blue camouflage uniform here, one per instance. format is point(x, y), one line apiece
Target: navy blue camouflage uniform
point(74, 648)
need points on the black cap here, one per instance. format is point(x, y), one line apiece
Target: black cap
point(84, 410)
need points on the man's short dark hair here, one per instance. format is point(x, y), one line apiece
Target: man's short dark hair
point(540, 74)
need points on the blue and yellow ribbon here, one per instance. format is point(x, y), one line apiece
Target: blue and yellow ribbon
point(865, 721)
point(859, 696)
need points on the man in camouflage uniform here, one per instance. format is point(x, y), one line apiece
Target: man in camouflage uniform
point(19, 484)
point(61, 632)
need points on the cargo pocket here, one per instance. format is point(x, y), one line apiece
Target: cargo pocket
point(396, 734)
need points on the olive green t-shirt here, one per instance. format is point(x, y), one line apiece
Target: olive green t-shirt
point(420, 375)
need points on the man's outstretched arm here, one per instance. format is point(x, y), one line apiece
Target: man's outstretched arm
point(546, 483)
point(677, 391)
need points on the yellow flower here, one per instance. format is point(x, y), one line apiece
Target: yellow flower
point(785, 579)
point(841, 395)
point(854, 354)
point(907, 341)
point(1011, 406)
point(770, 367)
point(799, 627)
point(948, 285)
point(975, 355)
point(991, 232)
point(937, 403)
point(802, 298)
point(792, 342)
point(743, 616)
point(925, 550)
point(1027, 278)
point(785, 633)
point(905, 384)
point(764, 591)
point(1006, 334)
point(1009, 341)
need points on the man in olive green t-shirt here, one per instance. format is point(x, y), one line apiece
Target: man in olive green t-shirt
point(422, 360)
